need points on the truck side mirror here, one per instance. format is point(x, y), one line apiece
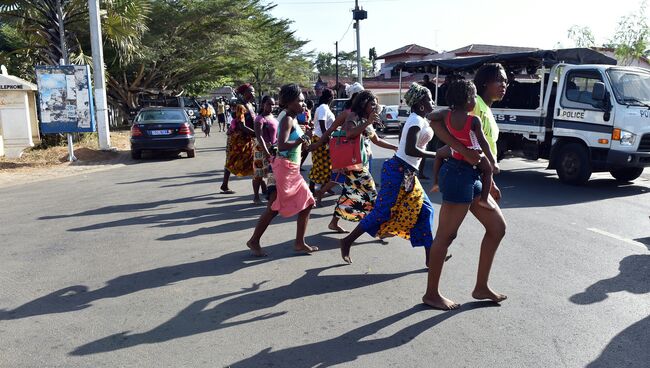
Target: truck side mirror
point(598, 92)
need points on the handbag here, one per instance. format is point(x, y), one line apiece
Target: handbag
point(345, 152)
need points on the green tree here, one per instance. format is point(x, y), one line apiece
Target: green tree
point(325, 63)
point(34, 28)
point(581, 36)
point(632, 35)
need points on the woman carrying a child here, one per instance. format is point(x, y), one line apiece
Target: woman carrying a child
point(460, 179)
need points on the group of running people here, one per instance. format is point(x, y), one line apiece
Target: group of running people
point(270, 149)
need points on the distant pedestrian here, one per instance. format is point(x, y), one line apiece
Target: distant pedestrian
point(221, 114)
point(206, 118)
point(292, 196)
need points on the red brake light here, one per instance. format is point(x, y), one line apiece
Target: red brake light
point(184, 129)
point(135, 131)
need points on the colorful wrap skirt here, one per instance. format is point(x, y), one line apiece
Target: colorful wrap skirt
point(358, 196)
point(397, 212)
point(260, 163)
point(293, 195)
point(239, 160)
point(321, 171)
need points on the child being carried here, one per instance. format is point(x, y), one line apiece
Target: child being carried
point(467, 129)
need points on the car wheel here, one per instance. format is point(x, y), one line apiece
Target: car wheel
point(191, 153)
point(573, 165)
point(136, 154)
point(627, 174)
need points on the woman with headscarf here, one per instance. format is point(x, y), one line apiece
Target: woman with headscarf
point(292, 195)
point(403, 208)
point(359, 192)
point(241, 138)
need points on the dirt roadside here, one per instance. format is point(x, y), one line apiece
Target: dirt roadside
point(38, 164)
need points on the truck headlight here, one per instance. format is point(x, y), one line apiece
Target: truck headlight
point(627, 138)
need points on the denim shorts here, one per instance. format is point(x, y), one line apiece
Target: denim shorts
point(459, 182)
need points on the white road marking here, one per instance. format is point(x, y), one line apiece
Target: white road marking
point(614, 236)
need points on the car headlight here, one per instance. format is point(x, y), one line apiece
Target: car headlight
point(627, 138)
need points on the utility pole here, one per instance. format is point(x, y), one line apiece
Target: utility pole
point(98, 75)
point(358, 15)
point(336, 57)
point(64, 61)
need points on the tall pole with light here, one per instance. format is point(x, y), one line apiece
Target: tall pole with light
point(358, 15)
point(98, 75)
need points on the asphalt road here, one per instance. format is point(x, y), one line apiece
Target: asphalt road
point(146, 266)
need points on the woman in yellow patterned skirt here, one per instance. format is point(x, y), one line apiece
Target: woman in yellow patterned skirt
point(321, 170)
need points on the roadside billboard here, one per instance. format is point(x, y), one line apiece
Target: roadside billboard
point(65, 99)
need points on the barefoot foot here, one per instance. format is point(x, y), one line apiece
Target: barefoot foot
point(304, 248)
point(487, 293)
point(337, 228)
point(256, 249)
point(440, 302)
point(435, 188)
point(345, 251)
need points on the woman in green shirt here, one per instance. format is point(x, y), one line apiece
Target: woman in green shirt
point(491, 84)
point(292, 196)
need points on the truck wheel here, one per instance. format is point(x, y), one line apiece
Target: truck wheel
point(191, 153)
point(573, 166)
point(136, 154)
point(627, 174)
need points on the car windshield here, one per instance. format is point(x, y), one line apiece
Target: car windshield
point(160, 115)
point(630, 87)
point(189, 103)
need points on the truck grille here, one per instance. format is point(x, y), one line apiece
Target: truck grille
point(644, 146)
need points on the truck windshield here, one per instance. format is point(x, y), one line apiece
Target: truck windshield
point(631, 87)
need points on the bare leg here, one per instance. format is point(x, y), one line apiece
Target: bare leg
point(325, 189)
point(303, 220)
point(486, 180)
point(495, 230)
point(262, 224)
point(346, 243)
point(256, 190)
point(451, 216)
point(226, 180)
point(334, 225)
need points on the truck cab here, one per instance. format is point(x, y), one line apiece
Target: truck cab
point(601, 121)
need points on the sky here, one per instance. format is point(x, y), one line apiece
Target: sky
point(448, 25)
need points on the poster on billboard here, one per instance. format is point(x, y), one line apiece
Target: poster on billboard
point(65, 99)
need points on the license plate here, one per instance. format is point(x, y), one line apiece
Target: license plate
point(160, 132)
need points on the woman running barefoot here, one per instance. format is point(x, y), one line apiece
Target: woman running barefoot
point(292, 195)
point(359, 191)
point(403, 208)
point(460, 185)
point(241, 138)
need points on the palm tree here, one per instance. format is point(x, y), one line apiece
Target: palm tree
point(38, 25)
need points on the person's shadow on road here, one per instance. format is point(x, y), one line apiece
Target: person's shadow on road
point(630, 347)
point(196, 319)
